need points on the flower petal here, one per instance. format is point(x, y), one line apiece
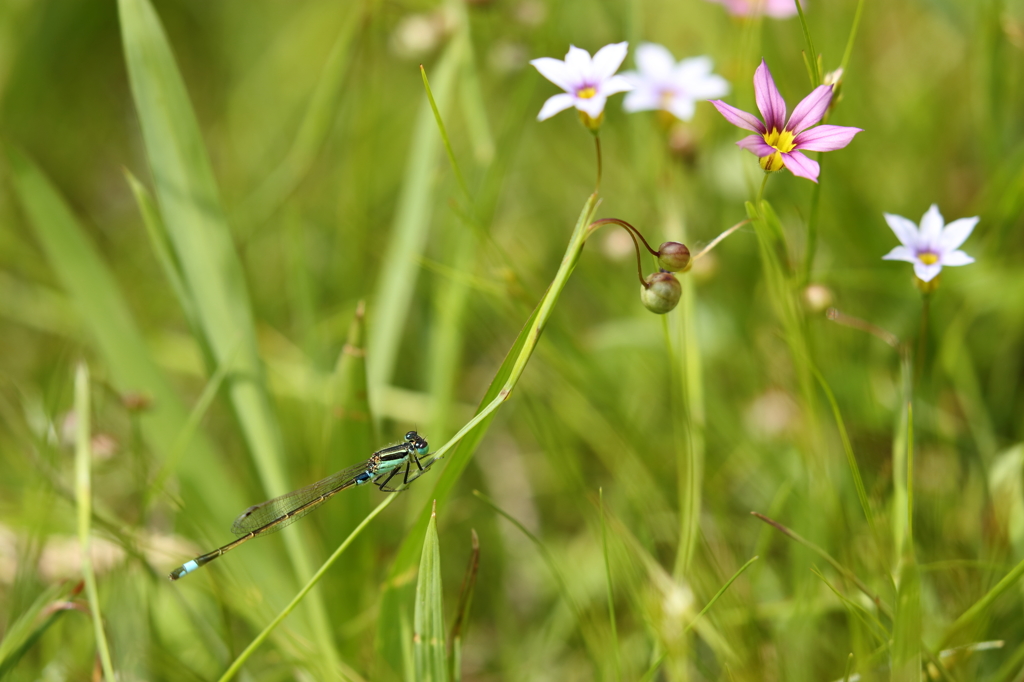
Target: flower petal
point(578, 60)
point(956, 233)
point(810, 110)
point(654, 61)
point(955, 258)
point(706, 87)
point(556, 71)
point(555, 104)
point(756, 144)
point(738, 117)
point(780, 9)
point(926, 273)
point(769, 99)
point(643, 98)
point(608, 60)
point(614, 85)
point(801, 166)
point(931, 227)
point(825, 138)
point(905, 230)
point(683, 108)
point(592, 106)
point(901, 253)
point(693, 68)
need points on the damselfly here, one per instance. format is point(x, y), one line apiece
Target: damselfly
point(273, 515)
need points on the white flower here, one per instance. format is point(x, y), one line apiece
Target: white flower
point(933, 245)
point(661, 83)
point(587, 82)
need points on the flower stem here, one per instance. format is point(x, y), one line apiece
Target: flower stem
point(812, 231)
point(597, 146)
point(634, 233)
point(760, 193)
point(853, 35)
point(922, 339)
point(812, 56)
point(714, 242)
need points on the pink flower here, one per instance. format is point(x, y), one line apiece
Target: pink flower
point(780, 9)
point(778, 142)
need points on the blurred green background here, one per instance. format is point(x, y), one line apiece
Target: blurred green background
point(214, 334)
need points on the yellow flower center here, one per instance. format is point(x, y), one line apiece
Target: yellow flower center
point(586, 93)
point(928, 258)
point(782, 142)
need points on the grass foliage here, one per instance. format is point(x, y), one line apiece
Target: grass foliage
point(241, 249)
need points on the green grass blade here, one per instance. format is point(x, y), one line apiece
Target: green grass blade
point(608, 585)
point(237, 664)
point(906, 640)
point(316, 124)
point(847, 573)
point(851, 459)
point(83, 502)
point(463, 444)
point(105, 314)
point(162, 249)
point(190, 205)
point(721, 591)
point(428, 618)
point(348, 429)
point(21, 633)
point(458, 632)
point(348, 422)
point(874, 626)
point(545, 553)
point(409, 231)
point(979, 607)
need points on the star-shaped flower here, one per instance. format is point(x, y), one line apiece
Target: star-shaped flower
point(587, 81)
point(661, 83)
point(779, 9)
point(933, 246)
point(778, 142)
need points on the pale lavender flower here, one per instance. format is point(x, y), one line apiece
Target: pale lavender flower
point(587, 81)
point(778, 142)
point(661, 83)
point(778, 9)
point(932, 246)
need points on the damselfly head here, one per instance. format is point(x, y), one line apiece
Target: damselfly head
point(418, 442)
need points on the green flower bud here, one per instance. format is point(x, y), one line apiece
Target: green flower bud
point(661, 293)
point(674, 257)
point(590, 123)
point(929, 286)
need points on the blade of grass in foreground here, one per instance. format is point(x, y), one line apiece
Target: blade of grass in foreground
point(83, 501)
point(191, 210)
point(464, 442)
point(310, 584)
point(428, 618)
